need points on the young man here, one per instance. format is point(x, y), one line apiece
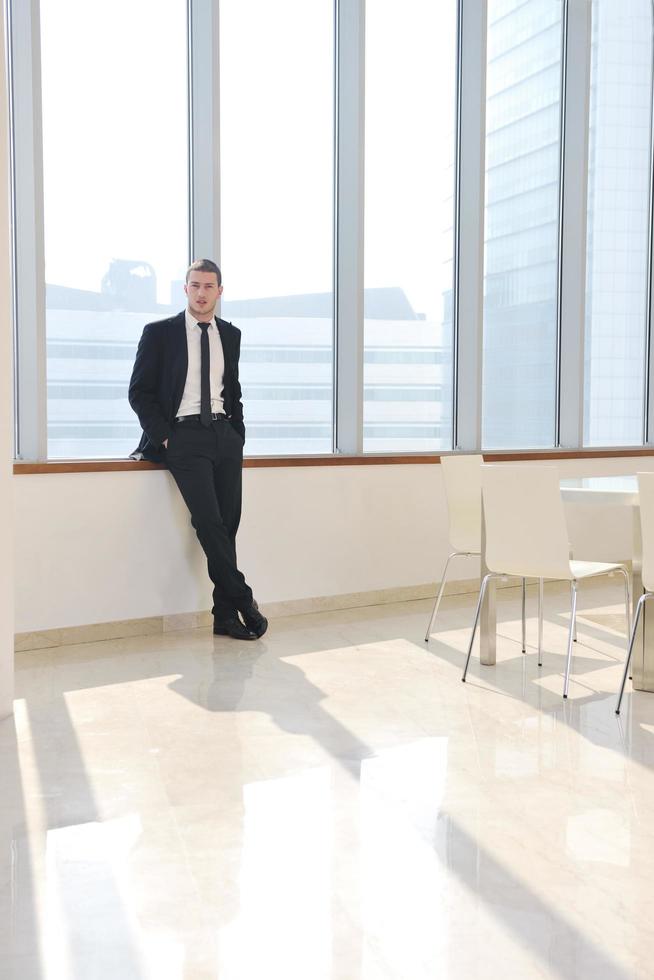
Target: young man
point(186, 393)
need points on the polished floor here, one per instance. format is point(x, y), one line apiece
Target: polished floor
point(330, 803)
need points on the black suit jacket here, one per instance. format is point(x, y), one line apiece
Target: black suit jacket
point(159, 376)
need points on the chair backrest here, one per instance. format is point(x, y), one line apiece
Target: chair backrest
point(646, 500)
point(462, 477)
point(526, 532)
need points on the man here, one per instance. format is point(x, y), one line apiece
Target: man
point(186, 393)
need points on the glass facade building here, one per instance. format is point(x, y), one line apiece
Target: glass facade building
point(523, 86)
point(619, 187)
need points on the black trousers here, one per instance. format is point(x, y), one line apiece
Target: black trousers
point(206, 464)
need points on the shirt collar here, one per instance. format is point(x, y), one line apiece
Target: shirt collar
point(192, 322)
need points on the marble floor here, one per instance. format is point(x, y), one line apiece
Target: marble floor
point(331, 803)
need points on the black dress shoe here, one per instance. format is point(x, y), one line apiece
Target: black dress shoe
point(253, 619)
point(234, 628)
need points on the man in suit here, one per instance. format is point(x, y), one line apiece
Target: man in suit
point(186, 393)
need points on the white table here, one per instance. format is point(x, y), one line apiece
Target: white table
point(615, 491)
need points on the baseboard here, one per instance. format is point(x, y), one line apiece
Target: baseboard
point(156, 625)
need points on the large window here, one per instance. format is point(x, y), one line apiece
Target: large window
point(339, 146)
point(619, 187)
point(522, 209)
point(409, 174)
point(115, 154)
point(277, 138)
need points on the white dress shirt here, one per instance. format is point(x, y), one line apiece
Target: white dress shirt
point(190, 404)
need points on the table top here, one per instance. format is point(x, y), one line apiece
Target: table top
point(601, 490)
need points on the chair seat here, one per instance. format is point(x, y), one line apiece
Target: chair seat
point(586, 569)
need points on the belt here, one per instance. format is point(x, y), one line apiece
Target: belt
point(215, 417)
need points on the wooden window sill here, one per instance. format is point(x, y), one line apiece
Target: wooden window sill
point(370, 459)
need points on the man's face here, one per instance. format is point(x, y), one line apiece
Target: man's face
point(203, 293)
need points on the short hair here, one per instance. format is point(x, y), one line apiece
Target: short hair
point(204, 265)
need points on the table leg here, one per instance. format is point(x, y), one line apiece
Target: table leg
point(642, 661)
point(488, 618)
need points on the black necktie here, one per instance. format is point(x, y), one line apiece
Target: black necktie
point(205, 382)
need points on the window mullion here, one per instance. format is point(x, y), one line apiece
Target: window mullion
point(204, 125)
point(29, 248)
point(469, 224)
point(577, 23)
point(348, 287)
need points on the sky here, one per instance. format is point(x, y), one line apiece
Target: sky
point(115, 143)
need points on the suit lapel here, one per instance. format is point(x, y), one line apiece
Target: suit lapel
point(179, 354)
point(227, 388)
point(221, 331)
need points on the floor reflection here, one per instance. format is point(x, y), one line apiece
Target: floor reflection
point(330, 804)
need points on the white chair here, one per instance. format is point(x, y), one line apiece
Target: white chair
point(526, 536)
point(646, 500)
point(462, 479)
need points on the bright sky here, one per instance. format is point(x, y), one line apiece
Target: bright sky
point(410, 101)
point(115, 155)
point(115, 144)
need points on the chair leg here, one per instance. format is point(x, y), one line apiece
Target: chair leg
point(524, 615)
point(627, 603)
point(482, 593)
point(540, 622)
point(573, 615)
point(455, 554)
point(574, 625)
point(627, 599)
point(630, 649)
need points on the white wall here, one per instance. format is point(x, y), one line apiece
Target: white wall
point(98, 547)
point(6, 413)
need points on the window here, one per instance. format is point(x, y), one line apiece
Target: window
point(115, 179)
point(409, 238)
point(618, 223)
point(521, 223)
point(277, 183)
point(280, 187)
